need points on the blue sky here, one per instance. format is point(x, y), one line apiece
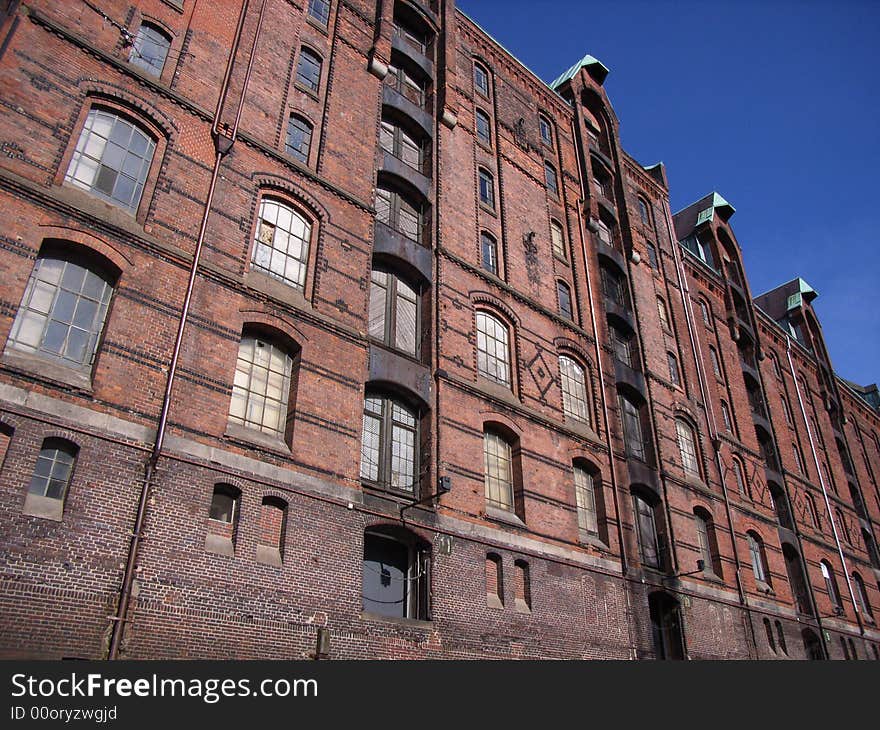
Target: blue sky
point(776, 105)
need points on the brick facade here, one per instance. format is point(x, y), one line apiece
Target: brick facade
point(288, 543)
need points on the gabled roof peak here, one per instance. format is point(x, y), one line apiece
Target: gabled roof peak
point(594, 66)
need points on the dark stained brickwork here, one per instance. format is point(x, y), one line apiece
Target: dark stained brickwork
point(532, 581)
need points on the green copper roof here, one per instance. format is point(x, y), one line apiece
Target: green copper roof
point(587, 60)
point(804, 293)
point(709, 213)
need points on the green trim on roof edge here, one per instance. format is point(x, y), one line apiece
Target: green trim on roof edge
point(587, 60)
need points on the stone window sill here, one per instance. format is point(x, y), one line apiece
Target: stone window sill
point(47, 370)
point(47, 508)
point(219, 545)
point(502, 515)
point(408, 622)
point(252, 437)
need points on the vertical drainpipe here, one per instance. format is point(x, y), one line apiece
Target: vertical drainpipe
point(814, 452)
point(222, 145)
point(710, 415)
point(624, 564)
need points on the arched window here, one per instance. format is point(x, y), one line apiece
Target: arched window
point(394, 312)
point(813, 512)
point(862, 596)
point(716, 363)
point(493, 349)
point(481, 79)
point(842, 525)
point(546, 128)
point(499, 471)
point(708, 542)
point(270, 541)
point(759, 560)
point(112, 159)
point(725, 416)
point(53, 471)
point(389, 446)
point(308, 70)
point(812, 645)
point(396, 573)
point(574, 389)
point(398, 211)
point(484, 129)
point(645, 213)
point(687, 447)
point(661, 311)
point(487, 189)
point(550, 178)
point(262, 386)
point(634, 434)
point(768, 629)
point(666, 626)
point(557, 240)
point(398, 141)
point(522, 585)
point(646, 521)
point(780, 505)
point(150, 49)
point(588, 498)
point(281, 243)
point(223, 520)
point(494, 581)
point(831, 585)
point(739, 477)
point(489, 253)
point(674, 375)
point(780, 635)
point(796, 579)
point(298, 143)
point(706, 312)
point(563, 296)
point(64, 307)
point(320, 11)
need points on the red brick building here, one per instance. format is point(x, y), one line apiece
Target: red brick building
point(331, 314)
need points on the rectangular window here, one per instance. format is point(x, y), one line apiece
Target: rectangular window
point(489, 253)
point(557, 240)
point(652, 256)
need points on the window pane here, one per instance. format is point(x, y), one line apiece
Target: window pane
point(117, 170)
point(498, 473)
point(564, 297)
point(492, 349)
point(490, 256)
point(308, 70)
point(574, 389)
point(299, 138)
point(586, 501)
point(320, 10)
point(557, 240)
point(62, 320)
point(385, 576)
point(687, 449)
point(53, 469)
point(281, 243)
point(261, 385)
point(149, 49)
